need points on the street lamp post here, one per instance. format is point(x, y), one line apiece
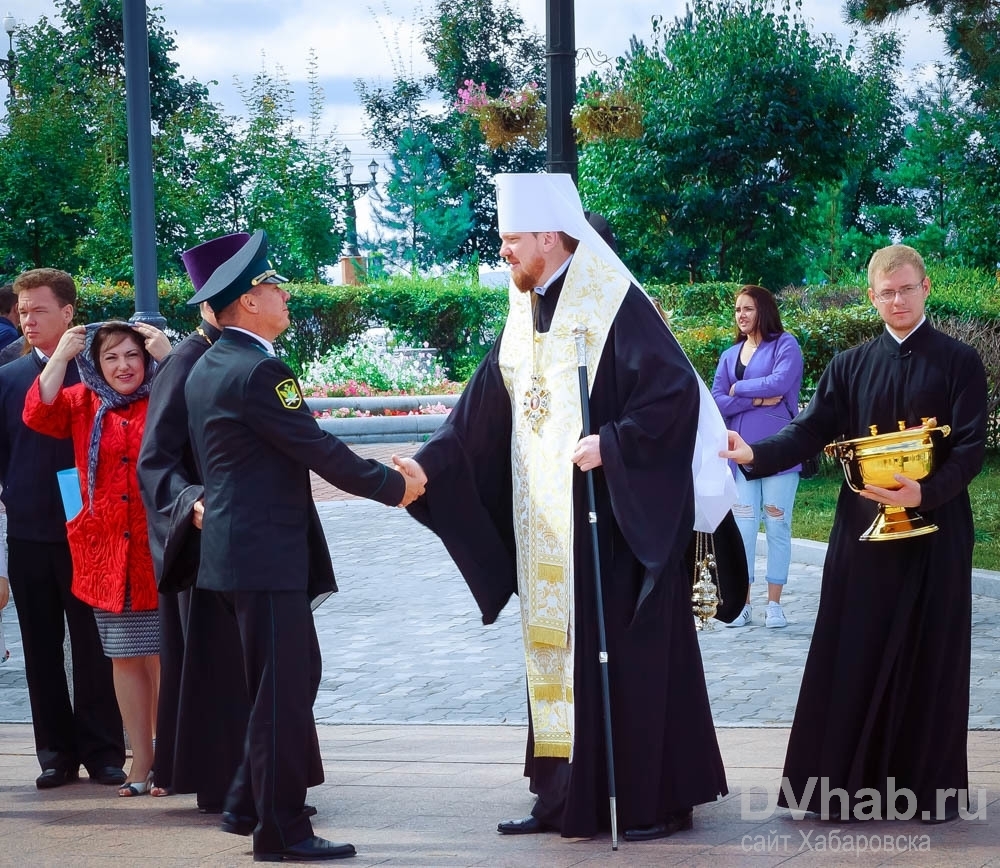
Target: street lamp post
point(350, 258)
point(8, 66)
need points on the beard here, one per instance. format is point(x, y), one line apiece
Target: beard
point(527, 273)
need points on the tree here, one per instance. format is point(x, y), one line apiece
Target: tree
point(426, 218)
point(287, 182)
point(851, 217)
point(482, 40)
point(971, 29)
point(747, 118)
point(64, 165)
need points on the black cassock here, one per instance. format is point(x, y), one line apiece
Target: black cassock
point(203, 707)
point(644, 405)
point(885, 691)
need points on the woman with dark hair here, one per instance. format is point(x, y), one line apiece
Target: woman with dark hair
point(112, 568)
point(757, 390)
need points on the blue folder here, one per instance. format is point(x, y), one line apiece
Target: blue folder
point(69, 488)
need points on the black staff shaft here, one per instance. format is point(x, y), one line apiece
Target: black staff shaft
point(602, 640)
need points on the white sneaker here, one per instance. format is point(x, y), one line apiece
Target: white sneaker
point(774, 616)
point(743, 618)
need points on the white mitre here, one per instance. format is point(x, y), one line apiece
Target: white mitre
point(550, 203)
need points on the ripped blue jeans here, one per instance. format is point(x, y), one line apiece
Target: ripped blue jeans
point(769, 499)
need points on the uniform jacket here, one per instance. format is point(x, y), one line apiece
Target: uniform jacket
point(774, 369)
point(254, 442)
point(109, 543)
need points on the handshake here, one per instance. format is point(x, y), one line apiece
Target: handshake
point(414, 476)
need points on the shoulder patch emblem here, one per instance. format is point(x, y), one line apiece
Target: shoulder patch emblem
point(289, 394)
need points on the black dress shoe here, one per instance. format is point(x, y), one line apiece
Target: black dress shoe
point(51, 778)
point(110, 775)
point(525, 826)
point(310, 849)
point(237, 824)
point(240, 824)
point(679, 821)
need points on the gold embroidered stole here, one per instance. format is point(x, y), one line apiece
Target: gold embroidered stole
point(543, 478)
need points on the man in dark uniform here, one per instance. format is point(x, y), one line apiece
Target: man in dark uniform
point(87, 730)
point(254, 443)
point(203, 704)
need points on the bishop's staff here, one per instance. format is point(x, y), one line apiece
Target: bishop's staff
point(580, 334)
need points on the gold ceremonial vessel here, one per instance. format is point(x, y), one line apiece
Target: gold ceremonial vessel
point(873, 460)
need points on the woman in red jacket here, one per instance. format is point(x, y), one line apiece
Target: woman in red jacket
point(112, 568)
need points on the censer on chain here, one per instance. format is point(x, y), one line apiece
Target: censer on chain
point(705, 594)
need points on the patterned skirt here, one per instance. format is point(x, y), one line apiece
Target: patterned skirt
point(128, 633)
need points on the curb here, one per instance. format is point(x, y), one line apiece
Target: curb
point(985, 583)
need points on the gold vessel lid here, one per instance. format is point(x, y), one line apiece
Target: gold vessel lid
point(916, 435)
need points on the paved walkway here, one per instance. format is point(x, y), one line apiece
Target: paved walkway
point(422, 716)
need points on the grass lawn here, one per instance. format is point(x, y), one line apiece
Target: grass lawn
point(817, 497)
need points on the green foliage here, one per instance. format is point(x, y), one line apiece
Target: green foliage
point(64, 186)
point(848, 221)
point(427, 219)
point(971, 29)
point(963, 292)
point(101, 301)
point(321, 317)
point(482, 40)
point(816, 502)
point(64, 169)
point(824, 333)
point(288, 180)
point(459, 318)
point(747, 118)
point(703, 346)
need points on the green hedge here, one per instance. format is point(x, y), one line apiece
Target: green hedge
point(462, 318)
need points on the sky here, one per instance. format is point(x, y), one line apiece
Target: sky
point(218, 40)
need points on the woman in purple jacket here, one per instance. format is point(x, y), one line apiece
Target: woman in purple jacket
point(757, 389)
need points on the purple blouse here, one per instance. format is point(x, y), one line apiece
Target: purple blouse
point(774, 369)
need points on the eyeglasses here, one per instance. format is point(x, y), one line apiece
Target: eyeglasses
point(904, 292)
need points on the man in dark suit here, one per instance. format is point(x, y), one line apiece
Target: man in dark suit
point(262, 545)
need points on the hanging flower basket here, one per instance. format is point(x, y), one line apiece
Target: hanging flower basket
point(512, 117)
point(604, 116)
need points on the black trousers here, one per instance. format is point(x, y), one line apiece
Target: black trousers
point(88, 730)
point(172, 609)
point(210, 717)
point(282, 663)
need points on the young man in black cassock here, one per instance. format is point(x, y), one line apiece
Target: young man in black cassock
point(505, 495)
point(203, 704)
point(885, 693)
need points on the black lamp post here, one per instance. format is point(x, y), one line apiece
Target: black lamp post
point(560, 69)
point(353, 191)
point(8, 67)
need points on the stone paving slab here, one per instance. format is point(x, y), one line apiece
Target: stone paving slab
point(403, 642)
point(432, 795)
point(426, 753)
